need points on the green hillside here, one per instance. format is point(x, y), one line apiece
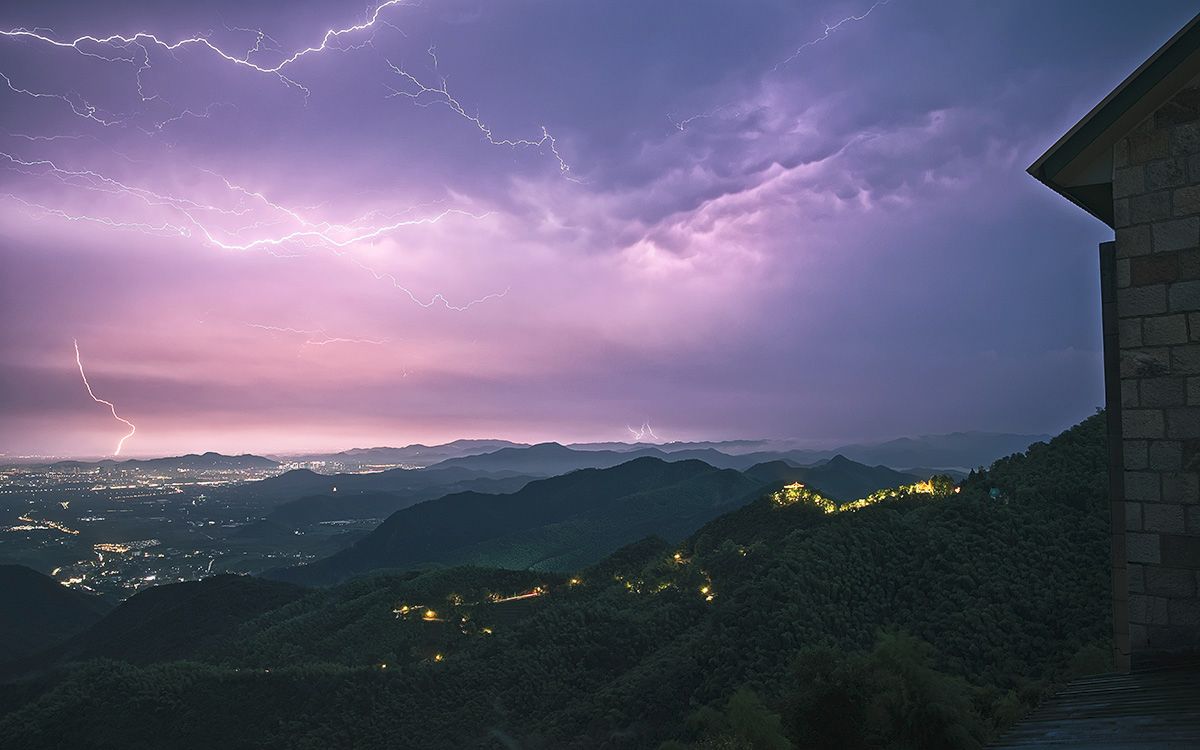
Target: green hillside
point(37, 612)
point(925, 618)
point(552, 524)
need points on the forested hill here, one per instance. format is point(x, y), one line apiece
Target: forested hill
point(920, 618)
point(839, 478)
point(36, 611)
point(551, 524)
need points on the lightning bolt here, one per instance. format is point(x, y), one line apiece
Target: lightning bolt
point(424, 95)
point(81, 108)
point(336, 238)
point(682, 124)
point(437, 298)
point(109, 404)
point(829, 29)
point(642, 432)
point(193, 217)
point(317, 332)
point(87, 43)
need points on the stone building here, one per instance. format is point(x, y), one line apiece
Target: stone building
point(1134, 163)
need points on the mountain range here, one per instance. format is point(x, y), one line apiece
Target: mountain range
point(550, 524)
point(209, 461)
point(576, 518)
point(960, 451)
point(416, 455)
point(918, 621)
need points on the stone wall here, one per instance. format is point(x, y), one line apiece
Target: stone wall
point(1156, 194)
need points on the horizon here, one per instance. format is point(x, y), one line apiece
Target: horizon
point(767, 445)
point(811, 232)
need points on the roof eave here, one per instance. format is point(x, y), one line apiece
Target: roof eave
point(1079, 165)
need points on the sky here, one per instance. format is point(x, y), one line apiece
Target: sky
point(289, 226)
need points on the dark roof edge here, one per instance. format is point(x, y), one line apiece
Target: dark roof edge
point(1119, 112)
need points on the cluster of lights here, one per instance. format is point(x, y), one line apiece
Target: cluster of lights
point(796, 492)
point(111, 548)
point(29, 524)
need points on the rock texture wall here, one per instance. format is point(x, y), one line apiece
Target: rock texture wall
point(1156, 269)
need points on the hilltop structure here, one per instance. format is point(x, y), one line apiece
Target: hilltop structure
point(1134, 163)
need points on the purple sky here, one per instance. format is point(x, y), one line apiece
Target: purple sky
point(734, 223)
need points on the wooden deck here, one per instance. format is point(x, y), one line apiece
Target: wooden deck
point(1137, 711)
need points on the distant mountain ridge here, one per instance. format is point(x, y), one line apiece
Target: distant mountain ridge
point(957, 450)
point(298, 483)
point(192, 461)
point(415, 455)
point(839, 478)
point(960, 451)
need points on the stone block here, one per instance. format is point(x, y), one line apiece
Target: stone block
point(1193, 391)
point(1166, 455)
point(1129, 181)
point(1133, 241)
point(1180, 109)
point(1139, 608)
point(1171, 637)
point(1165, 517)
point(1184, 296)
point(1151, 269)
point(1194, 164)
point(1191, 454)
point(1167, 173)
point(1177, 234)
point(1185, 612)
point(1129, 394)
point(1186, 201)
point(1137, 455)
point(1185, 360)
point(1133, 516)
point(1161, 392)
point(1144, 300)
point(1149, 610)
point(1183, 423)
point(1174, 583)
point(1150, 207)
point(1149, 145)
point(1182, 487)
point(1139, 636)
point(1185, 140)
point(1147, 363)
point(1143, 423)
point(1137, 578)
point(1142, 485)
point(1189, 265)
point(1179, 551)
point(1143, 547)
point(1164, 330)
point(1121, 215)
point(1129, 331)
